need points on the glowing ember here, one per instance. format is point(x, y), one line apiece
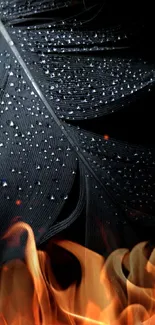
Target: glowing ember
point(106, 137)
point(18, 202)
point(31, 295)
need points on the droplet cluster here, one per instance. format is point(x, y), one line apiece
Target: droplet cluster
point(81, 87)
point(124, 170)
point(12, 9)
point(37, 164)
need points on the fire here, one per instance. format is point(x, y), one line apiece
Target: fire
point(117, 291)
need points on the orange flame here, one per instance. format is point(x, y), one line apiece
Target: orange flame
point(30, 294)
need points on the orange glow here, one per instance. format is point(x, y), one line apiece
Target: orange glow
point(30, 294)
point(106, 137)
point(18, 202)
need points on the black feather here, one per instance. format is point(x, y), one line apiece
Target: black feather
point(63, 84)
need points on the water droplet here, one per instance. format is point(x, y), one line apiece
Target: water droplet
point(38, 183)
point(11, 43)
point(11, 123)
point(4, 183)
point(65, 197)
